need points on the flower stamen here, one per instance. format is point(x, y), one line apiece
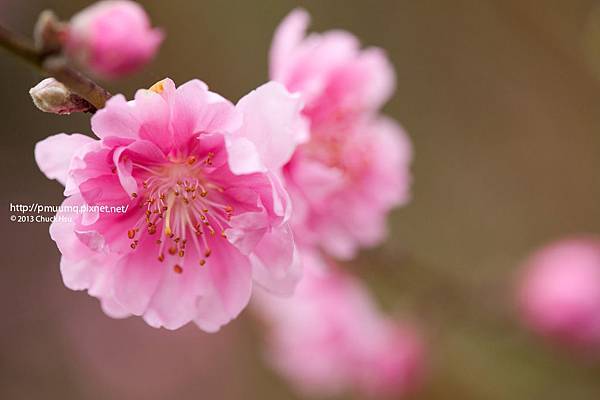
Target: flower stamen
point(178, 193)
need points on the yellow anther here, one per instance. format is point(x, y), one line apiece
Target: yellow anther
point(158, 87)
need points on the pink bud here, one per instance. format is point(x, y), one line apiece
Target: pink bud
point(559, 293)
point(112, 38)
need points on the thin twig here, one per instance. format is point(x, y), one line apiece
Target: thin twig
point(19, 46)
point(55, 66)
point(79, 84)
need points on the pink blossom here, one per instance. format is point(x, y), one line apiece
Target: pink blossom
point(338, 81)
point(329, 338)
point(355, 166)
point(342, 190)
point(559, 293)
point(112, 38)
point(204, 219)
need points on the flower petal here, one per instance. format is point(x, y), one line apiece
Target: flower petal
point(153, 114)
point(231, 277)
point(287, 37)
point(53, 154)
point(197, 110)
point(244, 157)
point(137, 277)
point(64, 230)
point(141, 151)
point(174, 302)
point(276, 263)
point(116, 119)
point(272, 123)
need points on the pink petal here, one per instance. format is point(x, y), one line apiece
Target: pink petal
point(319, 180)
point(89, 161)
point(104, 190)
point(53, 154)
point(247, 229)
point(141, 151)
point(196, 110)
point(390, 172)
point(188, 102)
point(174, 301)
point(281, 202)
point(137, 277)
point(145, 152)
point(64, 231)
point(116, 119)
point(153, 114)
point(113, 309)
point(276, 263)
point(287, 37)
point(381, 83)
point(231, 277)
point(124, 170)
point(337, 241)
point(273, 124)
point(244, 157)
point(93, 274)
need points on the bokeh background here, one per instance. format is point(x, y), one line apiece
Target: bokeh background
point(501, 99)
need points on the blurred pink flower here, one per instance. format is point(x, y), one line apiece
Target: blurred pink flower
point(206, 215)
point(559, 293)
point(329, 338)
point(355, 167)
point(338, 81)
point(342, 190)
point(112, 38)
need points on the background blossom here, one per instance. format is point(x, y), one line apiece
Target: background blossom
point(338, 81)
point(112, 38)
point(329, 338)
point(355, 167)
point(559, 292)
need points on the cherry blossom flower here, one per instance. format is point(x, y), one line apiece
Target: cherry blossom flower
point(559, 292)
point(112, 38)
point(206, 213)
point(329, 338)
point(342, 190)
point(355, 167)
point(338, 80)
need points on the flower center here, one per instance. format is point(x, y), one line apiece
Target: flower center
point(179, 201)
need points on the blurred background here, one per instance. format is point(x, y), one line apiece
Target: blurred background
point(501, 100)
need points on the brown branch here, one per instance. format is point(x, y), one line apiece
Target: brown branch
point(19, 46)
point(54, 65)
point(79, 84)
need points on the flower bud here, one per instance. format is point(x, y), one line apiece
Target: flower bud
point(112, 38)
point(47, 33)
point(51, 96)
point(559, 293)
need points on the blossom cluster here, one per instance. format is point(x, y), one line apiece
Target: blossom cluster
point(256, 202)
point(229, 200)
point(343, 181)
